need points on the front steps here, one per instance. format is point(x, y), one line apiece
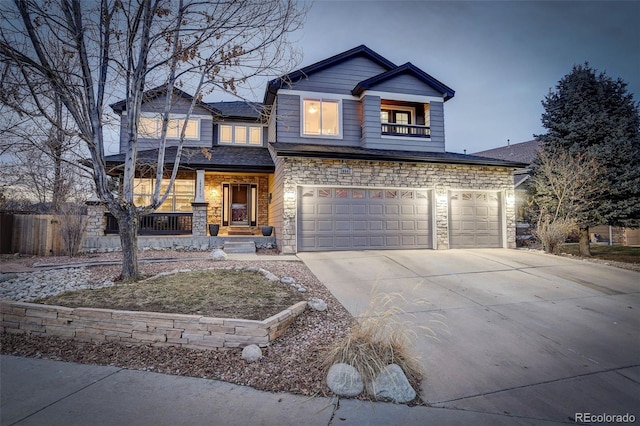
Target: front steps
point(243, 247)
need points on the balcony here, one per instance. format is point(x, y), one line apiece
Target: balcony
point(406, 130)
point(157, 224)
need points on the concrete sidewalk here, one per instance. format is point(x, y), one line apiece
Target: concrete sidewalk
point(44, 392)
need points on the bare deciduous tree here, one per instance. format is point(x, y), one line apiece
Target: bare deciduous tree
point(565, 188)
point(90, 52)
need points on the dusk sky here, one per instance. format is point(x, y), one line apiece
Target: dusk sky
point(501, 57)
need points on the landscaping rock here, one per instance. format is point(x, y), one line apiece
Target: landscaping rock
point(344, 380)
point(288, 281)
point(301, 289)
point(268, 275)
point(317, 304)
point(252, 353)
point(391, 383)
point(218, 255)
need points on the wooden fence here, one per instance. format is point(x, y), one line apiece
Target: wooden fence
point(36, 234)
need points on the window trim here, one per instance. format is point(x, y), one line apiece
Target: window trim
point(248, 127)
point(320, 98)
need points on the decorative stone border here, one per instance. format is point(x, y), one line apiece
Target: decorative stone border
point(138, 328)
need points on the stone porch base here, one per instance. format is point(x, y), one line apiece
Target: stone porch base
point(111, 243)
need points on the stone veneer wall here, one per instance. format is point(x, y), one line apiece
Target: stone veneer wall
point(157, 329)
point(215, 181)
point(199, 219)
point(439, 177)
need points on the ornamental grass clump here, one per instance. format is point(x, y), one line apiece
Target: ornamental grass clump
point(381, 337)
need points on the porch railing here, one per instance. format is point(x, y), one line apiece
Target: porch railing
point(410, 130)
point(157, 224)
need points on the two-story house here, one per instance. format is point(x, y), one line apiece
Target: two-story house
point(344, 154)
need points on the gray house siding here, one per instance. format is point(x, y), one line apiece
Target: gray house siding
point(340, 78)
point(436, 112)
point(406, 84)
point(180, 106)
point(289, 116)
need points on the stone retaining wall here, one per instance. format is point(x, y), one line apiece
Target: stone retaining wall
point(157, 329)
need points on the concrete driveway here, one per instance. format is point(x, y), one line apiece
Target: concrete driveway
point(514, 332)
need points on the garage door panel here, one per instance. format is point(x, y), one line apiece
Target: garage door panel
point(324, 225)
point(376, 209)
point(375, 225)
point(341, 209)
point(324, 209)
point(359, 225)
point(342, 225)
point(361, 219)
point(358, 209)
point(392, 225)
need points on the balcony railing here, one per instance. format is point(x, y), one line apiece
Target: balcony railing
point(409, 130)
point(157, 224)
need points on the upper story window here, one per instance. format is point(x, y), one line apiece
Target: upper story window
point(240, 134)
point(150, 126)
point(321, 117)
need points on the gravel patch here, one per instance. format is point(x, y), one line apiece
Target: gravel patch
point(293, 363)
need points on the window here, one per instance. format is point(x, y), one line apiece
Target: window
point(150, 126)
point(240, 134)
point(321, 117)
point(179, 199)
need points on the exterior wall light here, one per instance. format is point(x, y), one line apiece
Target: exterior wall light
point(441, 197)
point(290, 196)
point(510, 199)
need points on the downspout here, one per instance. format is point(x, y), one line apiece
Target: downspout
point(610, 235)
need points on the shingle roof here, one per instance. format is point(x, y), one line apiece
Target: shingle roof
point(156, 92)
point(217, 158)
point(238, 109)
point(407, 68)
point(356, 153)
point(523, 152)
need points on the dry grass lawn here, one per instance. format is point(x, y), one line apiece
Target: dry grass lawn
point(626, 254)
point(214, 293)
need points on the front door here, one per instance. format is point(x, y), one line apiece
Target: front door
point(239, 204)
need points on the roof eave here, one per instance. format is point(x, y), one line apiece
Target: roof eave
point(392, 158)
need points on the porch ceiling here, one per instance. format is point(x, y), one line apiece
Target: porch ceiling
point(217, 158)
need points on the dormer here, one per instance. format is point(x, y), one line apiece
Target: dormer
point(359, 98)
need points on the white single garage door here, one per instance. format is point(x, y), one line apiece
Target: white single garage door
point(474, 219)
point(339, 218)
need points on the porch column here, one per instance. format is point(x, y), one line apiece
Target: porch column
point(199, 219)
point(442, 218)
point(199, 187)
point(96, 222)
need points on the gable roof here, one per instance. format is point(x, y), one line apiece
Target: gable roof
point(362, 50)
point(156, 92)
point(238, 109)
point(523, 152)
point(410, 69)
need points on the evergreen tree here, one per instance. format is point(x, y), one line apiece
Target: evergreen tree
point(593, 116)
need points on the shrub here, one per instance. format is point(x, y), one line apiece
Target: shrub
point(552, 233)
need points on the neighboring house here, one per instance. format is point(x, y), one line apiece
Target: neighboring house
point(345, 154)
point(522, 152)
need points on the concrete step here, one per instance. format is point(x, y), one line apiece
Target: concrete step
point(239, 247)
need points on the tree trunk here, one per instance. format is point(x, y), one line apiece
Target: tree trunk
point(128, 222)
point(585, 247)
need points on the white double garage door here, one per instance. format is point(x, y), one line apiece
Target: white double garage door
point(341, 218)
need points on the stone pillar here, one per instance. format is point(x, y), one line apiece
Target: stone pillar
point(96, 222)
point(442, 218)
point(199, 219)
point(199, 187)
